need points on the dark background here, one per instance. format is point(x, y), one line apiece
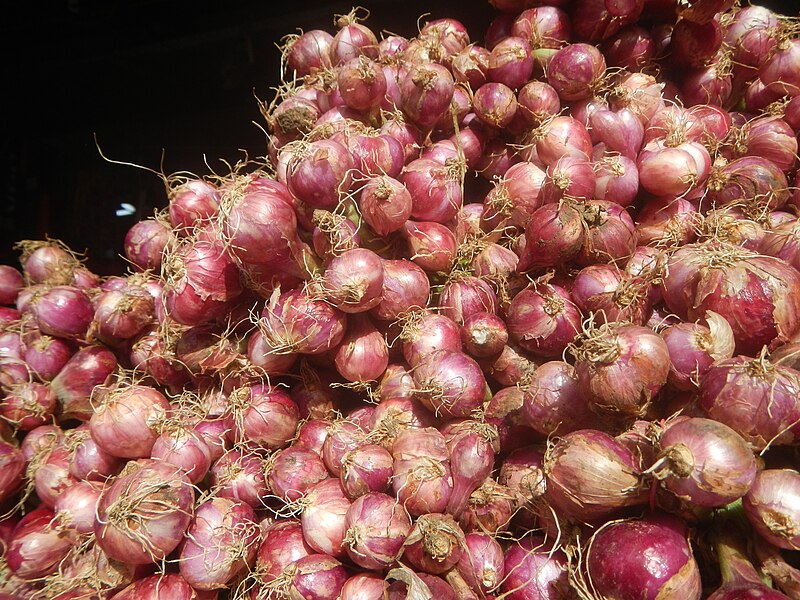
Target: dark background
point(151, 79)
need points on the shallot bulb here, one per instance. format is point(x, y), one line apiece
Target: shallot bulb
point(705, 462)
point(771, 506)
point(621, 554)
point(590, 475)
point(621, 367)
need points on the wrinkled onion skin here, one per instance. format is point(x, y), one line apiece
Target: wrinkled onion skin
point(771, 506)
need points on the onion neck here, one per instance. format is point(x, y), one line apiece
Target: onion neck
point(730, 543)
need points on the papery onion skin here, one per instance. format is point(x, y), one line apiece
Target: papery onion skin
point(37, 546)
point(755, 398)
point(377, 528)
point(621, 367)
point(155, 587)
point(543, 320)
point(422, 479)
point(323, 517)
point(451, 384)
point(708, 463)
point(126, 424)
point(590, 475)
point(771, 507)
point(143, 514)
point(220, 542)
point(435, 544)
point(282, 543)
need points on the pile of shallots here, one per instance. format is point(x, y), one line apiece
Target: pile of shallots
point(516, 319)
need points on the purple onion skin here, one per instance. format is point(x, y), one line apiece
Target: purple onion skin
point(482, 563)
point(317, 577)
point(772, 505)
point(534, 571)
point(591, 475)
point(758, 400)
point(713, 465)
point(622, 558)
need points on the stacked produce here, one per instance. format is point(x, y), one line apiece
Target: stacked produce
point(513, 319)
